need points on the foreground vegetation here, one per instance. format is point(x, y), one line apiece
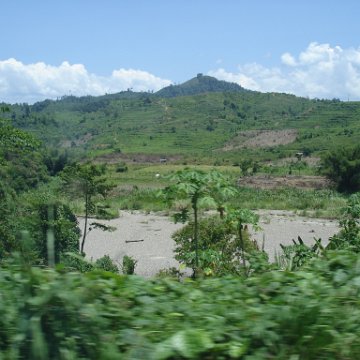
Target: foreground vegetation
point(312, 313)
point(305, 306)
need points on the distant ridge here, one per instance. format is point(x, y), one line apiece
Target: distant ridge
point(199, 85)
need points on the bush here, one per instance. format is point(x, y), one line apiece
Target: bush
point(121, 168)
point(217, 246)
point(128, 265)
point(105, 263)
point(343, 168)
point(43, 217)
point(171, 272)
point(349, 235)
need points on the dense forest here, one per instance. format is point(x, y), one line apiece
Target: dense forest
point(89, 157)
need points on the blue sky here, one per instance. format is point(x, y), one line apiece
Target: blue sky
point(53, 48)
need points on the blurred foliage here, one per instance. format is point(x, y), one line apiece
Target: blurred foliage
point(312, 313)
point(43, 215)
point(22, 169)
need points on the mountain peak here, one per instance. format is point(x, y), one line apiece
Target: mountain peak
point(199, 85)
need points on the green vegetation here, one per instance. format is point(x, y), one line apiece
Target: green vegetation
point(239, 219)
point(343, 167)
point(57, 304)
point(219, 249)
point(312, 313)
point(268, 311)
point(199, 85)
point(216, 125)
point(349, 237)
point(88, 181)
point(128, 265)
point(21, 160)
point(199, 189)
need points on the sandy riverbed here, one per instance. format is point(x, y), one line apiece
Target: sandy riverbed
point(147, 237)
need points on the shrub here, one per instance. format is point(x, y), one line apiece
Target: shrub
point(121, 168)
point(171, 272)
point(298, 254)
point(349, 235)
point(343, 168)
point(105, 263)
point(217, 246)
point(128, 265)
point(44, 217)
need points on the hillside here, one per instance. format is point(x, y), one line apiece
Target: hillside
point(199, 85)
point(207, 127)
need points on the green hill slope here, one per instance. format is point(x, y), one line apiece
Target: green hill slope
point(207, 126)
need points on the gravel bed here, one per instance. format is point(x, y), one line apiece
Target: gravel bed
point(147, 237)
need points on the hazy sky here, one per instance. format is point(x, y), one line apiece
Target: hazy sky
point(51, 48)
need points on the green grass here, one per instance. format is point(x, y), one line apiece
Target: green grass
point(319, 203)
point(138, 189)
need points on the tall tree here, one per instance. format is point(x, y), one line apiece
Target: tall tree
point(87, 179)
point(21, 168)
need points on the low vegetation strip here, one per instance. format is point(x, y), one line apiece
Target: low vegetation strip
point(293, 181)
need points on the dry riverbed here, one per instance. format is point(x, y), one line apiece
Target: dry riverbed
point(147, 237)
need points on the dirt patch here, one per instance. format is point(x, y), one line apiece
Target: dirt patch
point(273, 182)
point(261, 138)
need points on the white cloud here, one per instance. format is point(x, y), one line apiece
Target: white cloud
point(288, 59)
point(33, 82)
point(320, 71)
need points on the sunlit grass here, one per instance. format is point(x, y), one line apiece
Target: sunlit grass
point(138, 189)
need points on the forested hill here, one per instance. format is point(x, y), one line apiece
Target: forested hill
point(199, 85)
point(222, 125)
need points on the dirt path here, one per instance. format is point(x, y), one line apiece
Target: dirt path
point(147, 237)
